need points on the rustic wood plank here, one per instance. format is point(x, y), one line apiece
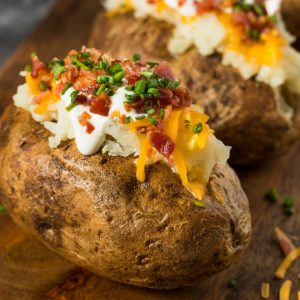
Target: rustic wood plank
point(28, 269)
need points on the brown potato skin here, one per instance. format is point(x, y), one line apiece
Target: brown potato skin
point(93, 211)
point(242, 112)
point(290, 13)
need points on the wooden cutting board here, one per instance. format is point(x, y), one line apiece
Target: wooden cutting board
point(29, 271)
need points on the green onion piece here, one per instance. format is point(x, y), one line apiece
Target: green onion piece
point(164, 82)
point(109, 91)
point(119, 76)
point(174, 84)
point(288, 202)
point(153, 91)
point(162, 113)
point(128, 120)
point(129, 88)
point(2, 209)
point(74, 95)
point(272, 196)
point(136, 57)
point(153, 83)
point(148, 105)
point(199, 203)
point(151, 64)
point(153, 121)
point(103, 64)
point(147, 74)
point(43, 86)
point(101, 89)
point(57, 70)
point(289, 211)
point(258, 9)
point(70, 107)
point(66, 87)
point(150, 111)
point(140, 117)
point(197, 128)
point(33, 54)
point(102, 79)
point(253, 34)
point(79, 64)
point(28, 68)
point(273, 19)
point(115, 69)
point(130, 98)
point(140, 86)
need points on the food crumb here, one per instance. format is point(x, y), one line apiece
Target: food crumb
point(265, 290)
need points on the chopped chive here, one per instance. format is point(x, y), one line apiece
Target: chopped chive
point(130, 98)
point(164, 82)
point(253, 34)
point(174, 84)
point(140, 86)
point(2, 209)
point(43, 86)
point(150, 111)
point(153, 83)
point(289, 211)
point(102, 79)
point(103, 64)
point(151, 64)
point(33, 54)
point(148, 105)
point(28, 68)
point(66, 87)
point(153, 91)
point(147, 74)
point(70, 107)
point(136, 57)
point(272, 196)
point(115, 69)
point(199, 203)
point(162, 113)
point(273, 19)
point(258, 9)
point(101, 89)
point(109, 91)
point(153, 121)
point(288, 202)
point(128, 120)
point(140, 117)
point(197, 128)
point(58, 69)
point(129, 88)
point(119, 76)
point(79, 64)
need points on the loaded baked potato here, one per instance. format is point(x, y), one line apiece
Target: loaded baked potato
point(160, 216)
point(253, 103)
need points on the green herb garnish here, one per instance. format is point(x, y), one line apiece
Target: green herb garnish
point(153, 121)
point(162, 113)
point(79, 63)
point(272, 196)
point(199, 203)
point(151, 64)
point(136, 57)
point(197, 128)
point(128, 120)
point(288, 205)
point(2, 209)
point(66, 87)
point(140, 117)
point(150, 111)
point(28, 68)
point(43, 86)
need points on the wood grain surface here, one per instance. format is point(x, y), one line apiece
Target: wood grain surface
point(30, 271)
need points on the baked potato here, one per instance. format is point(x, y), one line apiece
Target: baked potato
point(95, 210)
point(238, 107)
point(290, 12)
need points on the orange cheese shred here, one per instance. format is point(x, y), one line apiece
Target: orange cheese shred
point(265, 290)
point(141, 161)
point(33, 84)
point(285, 290)
point(292, 256)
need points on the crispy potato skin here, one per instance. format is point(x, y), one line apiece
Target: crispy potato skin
point(290, 12)
point(243, 112)
point(93, 211)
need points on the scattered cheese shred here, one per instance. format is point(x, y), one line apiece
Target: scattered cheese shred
point(141, 161)
point(265, 290)
point(280, 273)
point(298, 295)
point(285, 290)
point(33, 84)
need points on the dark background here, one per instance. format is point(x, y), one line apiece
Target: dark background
point(17, 20)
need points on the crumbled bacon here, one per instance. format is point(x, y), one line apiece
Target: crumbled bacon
point(132, 72)
point(162, 143)
point(84, 121)
point(37, 67)
point(100, 104)
point(178, 98)
point(164, 70)
point(204, 6)
point(81, 99)
point(85, 80)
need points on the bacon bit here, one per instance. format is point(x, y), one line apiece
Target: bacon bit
point(37, 67)
point(162, 143)
point(71, 283)
point(240, 18)
point(164, 70)
point(141, 130)
point(178, 98)
point(59, 88)
point(284, 242)
point(81, 99)
point(100, 105)
point(265, 290)
point(132, 72)
point(39, 98)
point(204, 6)
point(85, 80)
point(84, 121)
point(123, 119)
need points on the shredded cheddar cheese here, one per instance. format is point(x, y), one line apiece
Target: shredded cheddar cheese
point(267, 52)
point(285, 290)
point(265, 290)
point(292, 256)
point(141, 161)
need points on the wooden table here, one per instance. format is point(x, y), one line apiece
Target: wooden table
point(28, 270)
